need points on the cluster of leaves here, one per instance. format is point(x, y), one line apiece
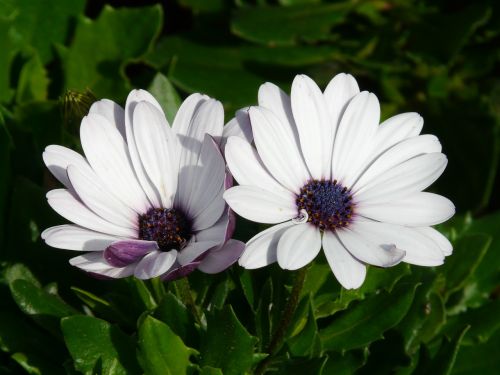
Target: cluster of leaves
point(434, 57)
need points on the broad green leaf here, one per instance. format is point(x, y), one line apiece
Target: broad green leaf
point(9, 50)
point(263, 321)
point(140, 292)
point(346, 363)
point(478, 359)
point(302, 343)
point(467, 255)
point(226, 344)
point(99, 347)
point(33, 81)
point(247, 288)
point(207, 370)
point(37, 24)
point(162, 352)
point(21, 272)
point(100, 306)
point(100, 49)
point(204, 5)
point(277, 26)
point(442, 363)
point(299, 366)
point(368, 320)
point(165, 93)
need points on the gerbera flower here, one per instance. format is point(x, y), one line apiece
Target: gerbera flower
point(146, 200)
point(331, 177)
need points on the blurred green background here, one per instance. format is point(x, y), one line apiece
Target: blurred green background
point(438, 58)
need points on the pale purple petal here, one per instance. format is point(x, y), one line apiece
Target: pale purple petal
point(178, 271)
point(220, 259)
point(123, 253)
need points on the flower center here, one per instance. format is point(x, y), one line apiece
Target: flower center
point(167, 226)
point(328, 204)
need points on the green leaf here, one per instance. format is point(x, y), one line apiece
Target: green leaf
point(21, 272)
point(226, 344)
point(140, 292)
point(207, 370)
point(33, 81)
point(300, 366)
point(467, 255)
point(442, 363)
point(100, 306)
point(277, 26)
point(162, 352)
point(99, 51)
point(303, 343)
point(368, 320)
point(98, 347)
point(346, 363)
point(478, 359)
point(165, 93)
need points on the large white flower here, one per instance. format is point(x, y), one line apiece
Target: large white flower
point(331, 177)
point(146, 200)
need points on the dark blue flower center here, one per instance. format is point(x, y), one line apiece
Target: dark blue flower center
point(328, 204)
point(169, 227)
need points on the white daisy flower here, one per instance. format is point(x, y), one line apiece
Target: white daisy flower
point(146, 200)
point(331, 177)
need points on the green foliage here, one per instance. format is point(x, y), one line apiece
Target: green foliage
point(437, 58)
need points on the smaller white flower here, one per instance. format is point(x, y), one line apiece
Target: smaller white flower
point(146, 200)
point(331, 177)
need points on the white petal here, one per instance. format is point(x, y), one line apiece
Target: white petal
point(208, 179)
point(315, 130)
point(194, 250)
point(341, 89)
point(108, 155)
point(397, 129)
point(112, 111)
point(278, 149)
point(211, 213)
point(94, 262)
point(417, 209)
point(401, 152)
point(349, 271)
point(276, 100)
point(96, 197)
point(354, 139)
point(66, 205)
point(298, 246)
point(239, 127)
point(133, 99)
point(365, 244)
point(247, 167)
point(261, 250)
point(220, 259)
point(155, 264)
point(157, 147)
point(185, 113)
point(73, 237)
point(409, 177)
point(439, 239)
point(261, 205)
point(216, 232)
point(57, 159)
point(419, 249)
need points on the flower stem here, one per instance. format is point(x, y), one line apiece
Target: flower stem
point(184, 292)
point(279, 334)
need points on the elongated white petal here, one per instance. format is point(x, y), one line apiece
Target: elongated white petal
point(298, 246)
point(207, 180)
point(341, 89)
point(315, 130)
point(418, 249)
point(417, 209)
point(135, 97)
point(73, 237)
point(260, 205)
point(191, 252)
point(157, 147)
point(438, 238)
point(57, 158)
point(155, 264)
point(369, 247)
point(401, 152)
point(96, 197)
point(276, 100)
point(409, 177)
point(185, 113)
point(247, 167)
point(95, 263)
point(211, 213)
point(220, 259)
point(354, 139)
point(217, 232)
point(108, 155)
point(239, 127)
point(397, 129)
point(349, 271)
point(66, 205)
point(112, 111)
point(261, 250)
point(278, 149)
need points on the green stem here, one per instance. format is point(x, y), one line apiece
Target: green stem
point(279, 334)
point(184, 292)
